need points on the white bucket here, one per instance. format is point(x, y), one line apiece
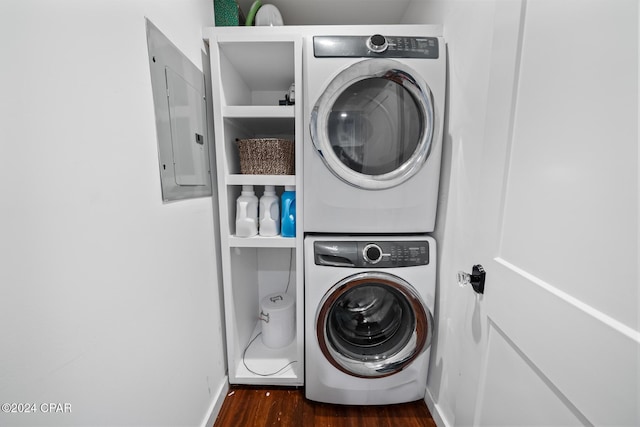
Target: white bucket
point(278, 320)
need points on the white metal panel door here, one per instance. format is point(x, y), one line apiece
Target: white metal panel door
point(558, 219)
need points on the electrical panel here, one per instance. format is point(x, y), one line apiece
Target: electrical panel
point(181, 120)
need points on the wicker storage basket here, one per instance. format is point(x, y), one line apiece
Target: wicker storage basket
point(266, 156)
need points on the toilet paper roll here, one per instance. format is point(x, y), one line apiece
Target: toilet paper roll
point(277, 315)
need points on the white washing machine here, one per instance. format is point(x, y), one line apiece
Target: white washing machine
point(374, 99)
point(368, 318)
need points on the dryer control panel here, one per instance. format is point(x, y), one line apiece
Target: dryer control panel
point(372, 254)
point(375, 46)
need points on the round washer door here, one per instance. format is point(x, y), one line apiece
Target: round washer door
point(373, 124)
point(372, 325)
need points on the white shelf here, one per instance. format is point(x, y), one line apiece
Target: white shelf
point(250, 77)
point(237, 179)
point(262, 242)
point(264, 360)
point(259, 111)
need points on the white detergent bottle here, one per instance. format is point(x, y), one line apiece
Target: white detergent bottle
point(269, 212)
point(247, 213)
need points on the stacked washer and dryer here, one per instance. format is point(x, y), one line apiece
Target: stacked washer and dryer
point(373, 102)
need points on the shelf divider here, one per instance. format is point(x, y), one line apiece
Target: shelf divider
point(258, 111)
point(262, 242)
point(239, 179)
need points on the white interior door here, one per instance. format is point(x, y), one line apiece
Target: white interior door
point(558, 220)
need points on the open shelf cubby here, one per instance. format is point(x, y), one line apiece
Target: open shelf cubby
point(252, 127)
point(257, 273)
point(256, 72)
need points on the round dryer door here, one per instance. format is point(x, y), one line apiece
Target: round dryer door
point(373, 124)
point(373, 325)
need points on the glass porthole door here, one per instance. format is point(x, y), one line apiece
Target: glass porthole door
point(373, 325)
point(373, 124)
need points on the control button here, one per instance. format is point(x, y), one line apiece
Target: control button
point(377, 43)
point(372, 253)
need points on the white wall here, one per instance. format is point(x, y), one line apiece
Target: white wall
point(458, 348)
point(109, 299)
point(335, 12)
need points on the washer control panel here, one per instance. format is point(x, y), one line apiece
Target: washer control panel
point(375, 46)
point(376, 254)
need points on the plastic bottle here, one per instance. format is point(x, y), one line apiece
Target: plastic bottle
point(269, 212)
point(288, 223)
point(247, 213)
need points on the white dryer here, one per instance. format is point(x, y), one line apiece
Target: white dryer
point(374, 99)
point(368, 318)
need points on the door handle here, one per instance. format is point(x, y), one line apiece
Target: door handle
point(476, 279)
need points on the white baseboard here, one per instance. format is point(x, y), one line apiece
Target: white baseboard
point(434, 408)
point(216, 404)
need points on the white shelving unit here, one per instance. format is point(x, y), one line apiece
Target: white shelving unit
point(252, 69)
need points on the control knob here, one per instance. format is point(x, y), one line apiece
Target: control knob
point(377, 43)
point(372, 253)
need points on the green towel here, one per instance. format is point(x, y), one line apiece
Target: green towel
point(226, 13)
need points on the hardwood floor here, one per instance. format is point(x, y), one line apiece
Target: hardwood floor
point(253, 406)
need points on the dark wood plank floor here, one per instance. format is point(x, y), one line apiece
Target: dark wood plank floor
point(247, 406)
